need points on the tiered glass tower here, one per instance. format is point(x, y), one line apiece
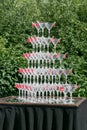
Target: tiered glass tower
point(41, 80)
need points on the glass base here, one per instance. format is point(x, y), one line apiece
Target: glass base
point(42, 101)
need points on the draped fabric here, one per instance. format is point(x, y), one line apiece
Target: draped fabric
point(28, 117)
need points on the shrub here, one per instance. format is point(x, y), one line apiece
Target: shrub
point(15, 27)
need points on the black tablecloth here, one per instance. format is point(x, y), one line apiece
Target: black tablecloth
point(28, 117)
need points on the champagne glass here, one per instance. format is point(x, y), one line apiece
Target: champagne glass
point(49, 26)
point(60, 58)
point(50, 59)
point(66, 72)
point(39, 43)
point(24, 94)
point(37, 26)
point(22, 71)
point(18, 86)
point(41, 40)
point(31, 89)
point(71, 89)
point(56, 88)
point(65, 93)
point(42, 26)
point(46, 89)
point(26, 55)
point(22, 91)
point(61, 90)
point(50, 93)
point(39, 93)
point(26, 87)
point(42, 91)
point(27, 72)
point(27, 92)
point(55, 41)
point(31, 40)
point(53, 75)
point(47, 42)
point(34, 42)
point(31, 72)
point(59, 73)
point(49, 73)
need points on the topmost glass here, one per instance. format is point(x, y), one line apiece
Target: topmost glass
point(42, 25)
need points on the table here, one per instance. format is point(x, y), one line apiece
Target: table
point(43, 117)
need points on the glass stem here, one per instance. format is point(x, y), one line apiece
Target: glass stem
point(38, 32)
point(53, 95)
point(39, 94)
point(24, 78)
point(60, 62)
point(28, 63)
point(59, 78)
point(19, 93)
point(27, 79)
point(60, 96)
point(42, 32)
point(64, 96)
point(66, 79)
point(42, 95)
point(25, 94)
point(49, 32)
point(47, 48)
point(30, 79)
point(49, 95)
point(71, 96)
point(54, 48)
point(40, 48)
point(22, 93)
point(57, 95)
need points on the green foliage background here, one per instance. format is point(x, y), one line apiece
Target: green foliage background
point(16, 17)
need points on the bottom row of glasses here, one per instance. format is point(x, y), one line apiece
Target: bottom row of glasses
point(46, 93)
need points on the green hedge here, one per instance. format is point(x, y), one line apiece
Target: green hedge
point(15, 27)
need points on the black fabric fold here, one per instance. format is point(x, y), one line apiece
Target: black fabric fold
point(28, 117)
point(29, 114)
point(57, 119)
point(20, 122)
point(2, 117)
point(9, 118)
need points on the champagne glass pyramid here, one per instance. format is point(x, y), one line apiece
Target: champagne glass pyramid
point(41, 80)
